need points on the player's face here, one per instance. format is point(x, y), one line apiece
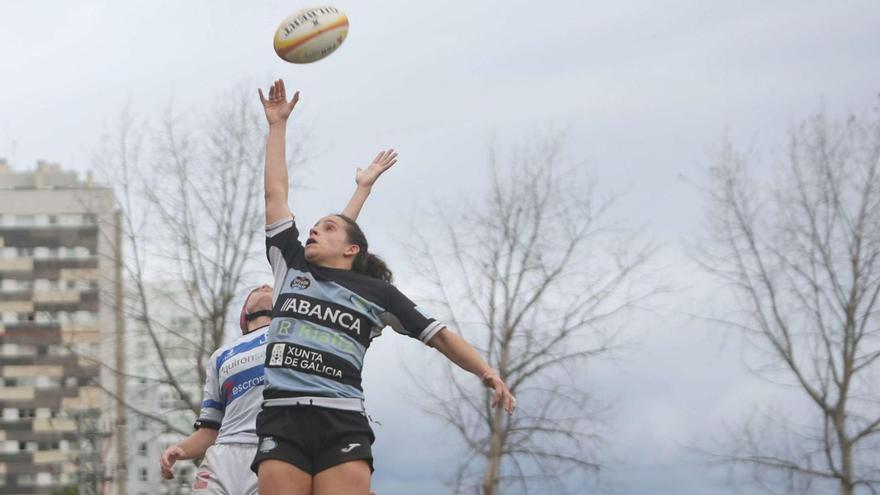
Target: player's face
point(260, 299)
point(328, 242)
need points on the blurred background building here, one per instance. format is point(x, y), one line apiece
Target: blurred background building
point(149, 395)
point(61, 429)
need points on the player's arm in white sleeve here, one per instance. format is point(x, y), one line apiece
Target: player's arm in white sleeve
point(365, 178)
point(275, 181)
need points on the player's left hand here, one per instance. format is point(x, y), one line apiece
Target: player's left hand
point(383, 161)
point(502, 394)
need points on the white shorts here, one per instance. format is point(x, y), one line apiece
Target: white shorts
point(226, 470)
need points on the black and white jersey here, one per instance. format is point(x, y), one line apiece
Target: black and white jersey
point(323, 320)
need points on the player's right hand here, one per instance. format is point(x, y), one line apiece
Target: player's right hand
point(276, 106)
point(169, 457)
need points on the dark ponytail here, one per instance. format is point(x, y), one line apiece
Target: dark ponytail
point(365, 262)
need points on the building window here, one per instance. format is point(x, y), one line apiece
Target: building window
point(44, 382)
point(45, 479)
point(142, 449)
point(42, 317)
point(58, 350)
point(42, 252)
point(25, 220)
point(74, 219)
point(142, 475)
point(84, 316)
point(26, 479)
point(167, 400)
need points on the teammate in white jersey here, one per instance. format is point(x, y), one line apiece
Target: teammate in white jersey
point(225, 430)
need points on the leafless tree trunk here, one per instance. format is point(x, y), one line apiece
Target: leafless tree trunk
point(802, 252)
point(533, 277)
point(190, 195)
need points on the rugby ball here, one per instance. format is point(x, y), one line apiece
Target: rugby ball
point(311, 34)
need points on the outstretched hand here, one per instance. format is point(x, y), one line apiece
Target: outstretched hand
point(502, 394)
point(383, 161)
point(277, 108)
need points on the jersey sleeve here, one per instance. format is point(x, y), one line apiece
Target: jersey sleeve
point(404, 317)
point(214, 404)
point(283, 249)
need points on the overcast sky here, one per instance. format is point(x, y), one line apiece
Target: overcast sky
point(646, 90)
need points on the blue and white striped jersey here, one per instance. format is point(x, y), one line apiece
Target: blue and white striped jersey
point(234, 389)
point(323, 320)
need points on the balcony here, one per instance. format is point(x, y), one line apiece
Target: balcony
point(17, 265)
point(17, 393)
point(56, 297)
point(54, 425)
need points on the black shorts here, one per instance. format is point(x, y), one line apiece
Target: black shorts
point(313, 438)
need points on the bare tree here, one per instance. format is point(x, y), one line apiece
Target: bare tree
point(801, 249)
point(532, 276)
point(190, 201)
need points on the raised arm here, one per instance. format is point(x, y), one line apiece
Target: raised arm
point(466, 357)
point(365, 178)
point(277, 110)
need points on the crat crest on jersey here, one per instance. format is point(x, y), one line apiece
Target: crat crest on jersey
point(300, 282)
point(268, 444)
point(277, 356)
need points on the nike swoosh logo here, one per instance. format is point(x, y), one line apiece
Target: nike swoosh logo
point(350, 446)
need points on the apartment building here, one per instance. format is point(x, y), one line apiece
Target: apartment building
point(60, 335)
